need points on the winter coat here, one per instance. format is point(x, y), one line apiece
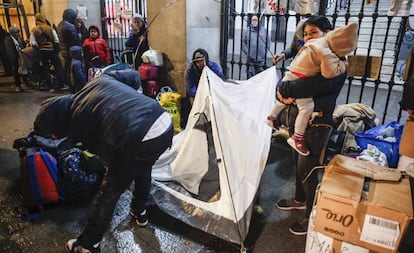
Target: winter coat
point(68, 36)
point(13, 46)
point(108, 115)
point(44, 36)
point(78, 76)
point(133, 42)
point(254, 43)
point(96, 47)
point(323, 54)
point(193, 74)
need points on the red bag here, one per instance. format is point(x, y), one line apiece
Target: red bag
point(152, 89)
point(39, 180)
point(148, 71)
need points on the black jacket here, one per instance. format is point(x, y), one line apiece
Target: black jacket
point(324, 92)
point(66, 29)
point(107, 115)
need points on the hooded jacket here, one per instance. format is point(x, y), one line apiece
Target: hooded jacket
point(44, 34)
point(96, 47)
point(13, 44)
point(324, 54)
point(78, 76)
point(66, 29)
point(193, 73)
point(107, 115)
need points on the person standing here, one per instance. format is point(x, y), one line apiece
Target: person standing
point(127, 129)
point(254, 47)
point(44, 37)
point(138, 39)
point(95, 47)
point(81, 29)
point(68, 37)
point(78, 76)
point(8, 69)
point(324, 92)
point(14, 44)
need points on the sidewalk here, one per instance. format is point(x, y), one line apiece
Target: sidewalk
point(268, 231)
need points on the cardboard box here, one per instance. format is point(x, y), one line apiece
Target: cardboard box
point(317, 242)
point(406, 143)
point(363, 204)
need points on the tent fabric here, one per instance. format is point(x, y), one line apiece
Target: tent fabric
point(210, 175)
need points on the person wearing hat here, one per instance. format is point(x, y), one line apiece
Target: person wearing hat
point(138, 39)
point(14, 44)
point(193, 73)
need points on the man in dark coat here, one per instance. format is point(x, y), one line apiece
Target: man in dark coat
point(127, 129)
point(68, 37)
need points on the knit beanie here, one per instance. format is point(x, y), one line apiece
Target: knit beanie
point(13, 30)
point(138, 16)
point(343, 40)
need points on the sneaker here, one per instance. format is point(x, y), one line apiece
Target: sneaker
point(64, 87)
point(52, 90)
point(271, 122)
point(19, 89)
point(73, 246)
point(141, 219)
point(298, 145)
point(290, 204)
point(300, 227)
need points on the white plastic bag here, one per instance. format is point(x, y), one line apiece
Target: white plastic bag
point(153, 56)
point(374, 155)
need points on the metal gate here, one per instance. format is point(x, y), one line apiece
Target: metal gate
point(116, 21)
point(374, 79)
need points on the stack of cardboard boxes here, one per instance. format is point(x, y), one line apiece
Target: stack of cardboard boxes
point(360, 207)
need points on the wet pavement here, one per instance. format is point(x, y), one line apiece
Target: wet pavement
point(268, 230)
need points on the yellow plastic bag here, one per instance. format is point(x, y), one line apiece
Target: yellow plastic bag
point(170, 101)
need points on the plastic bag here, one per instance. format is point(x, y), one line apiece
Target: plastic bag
point(385, 137)
point(170, 101)
point(153, 56)
point(374, 155)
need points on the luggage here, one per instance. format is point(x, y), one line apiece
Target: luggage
point(152, 88)
point(148, 71)
point(40, 183)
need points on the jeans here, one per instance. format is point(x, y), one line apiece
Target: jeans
point(132, 163)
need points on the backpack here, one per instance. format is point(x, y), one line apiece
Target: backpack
point(40, 183)
point(82, 173)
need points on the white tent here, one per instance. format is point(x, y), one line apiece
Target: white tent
point(209, 177)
